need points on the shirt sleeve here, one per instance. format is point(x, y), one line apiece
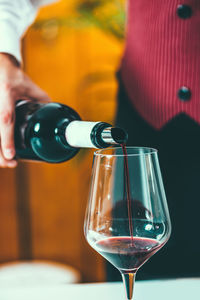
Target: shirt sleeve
point(15, 17)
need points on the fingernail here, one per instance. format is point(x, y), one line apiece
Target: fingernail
point(9, 153)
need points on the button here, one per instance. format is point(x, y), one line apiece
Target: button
point(184, 93)
point(184, 11)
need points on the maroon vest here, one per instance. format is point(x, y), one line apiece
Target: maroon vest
point(161, 65)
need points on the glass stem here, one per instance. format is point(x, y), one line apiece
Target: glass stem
point(128, 280)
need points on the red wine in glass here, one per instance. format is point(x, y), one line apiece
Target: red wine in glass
point(127, 253)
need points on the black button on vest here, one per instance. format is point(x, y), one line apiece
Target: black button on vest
point(184, 11)
point(184, 93)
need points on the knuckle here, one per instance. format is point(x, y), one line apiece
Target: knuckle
point(20, 77)
point(6, 117)
point(11, 84)
point(6, 86)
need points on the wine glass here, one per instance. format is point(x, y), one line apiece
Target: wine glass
point(127, 218)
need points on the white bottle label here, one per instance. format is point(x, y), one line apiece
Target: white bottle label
point(78, 134)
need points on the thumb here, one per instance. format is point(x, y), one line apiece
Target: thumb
point(35, 93)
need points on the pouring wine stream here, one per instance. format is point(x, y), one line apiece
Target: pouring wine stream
point(119, 136)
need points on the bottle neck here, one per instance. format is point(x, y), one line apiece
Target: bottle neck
point(78, 134)
point(82, 134)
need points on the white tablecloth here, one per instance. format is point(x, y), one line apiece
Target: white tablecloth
point(178, 289)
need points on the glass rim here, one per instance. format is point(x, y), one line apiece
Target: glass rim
point(150, 150)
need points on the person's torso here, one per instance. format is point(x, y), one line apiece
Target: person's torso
point(161, 63)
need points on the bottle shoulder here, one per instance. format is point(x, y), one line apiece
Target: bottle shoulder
point(43, 128)
point(45, 110)
point(56, 111)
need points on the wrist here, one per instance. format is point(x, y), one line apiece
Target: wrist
point(9, 58)
point(10, 39)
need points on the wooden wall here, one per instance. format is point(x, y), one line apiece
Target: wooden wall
point(42, 206)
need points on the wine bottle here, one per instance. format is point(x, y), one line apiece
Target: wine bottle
point(54, 132)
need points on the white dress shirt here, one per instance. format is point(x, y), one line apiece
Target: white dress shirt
point(15, 17)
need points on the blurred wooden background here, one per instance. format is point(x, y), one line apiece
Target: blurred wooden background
point(42, 206)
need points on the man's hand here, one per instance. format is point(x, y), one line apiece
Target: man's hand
point(14, 85)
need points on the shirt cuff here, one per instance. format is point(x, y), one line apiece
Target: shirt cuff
point(10, 40)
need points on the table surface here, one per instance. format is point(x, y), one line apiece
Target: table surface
point(176, 289)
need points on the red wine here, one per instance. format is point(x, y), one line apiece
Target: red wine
point(127, 253)
point(54, 132)
point(127, 193)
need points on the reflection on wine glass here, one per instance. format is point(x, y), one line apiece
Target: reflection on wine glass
point(127, 218)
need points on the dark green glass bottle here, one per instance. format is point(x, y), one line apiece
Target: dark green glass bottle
point(54, 132)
